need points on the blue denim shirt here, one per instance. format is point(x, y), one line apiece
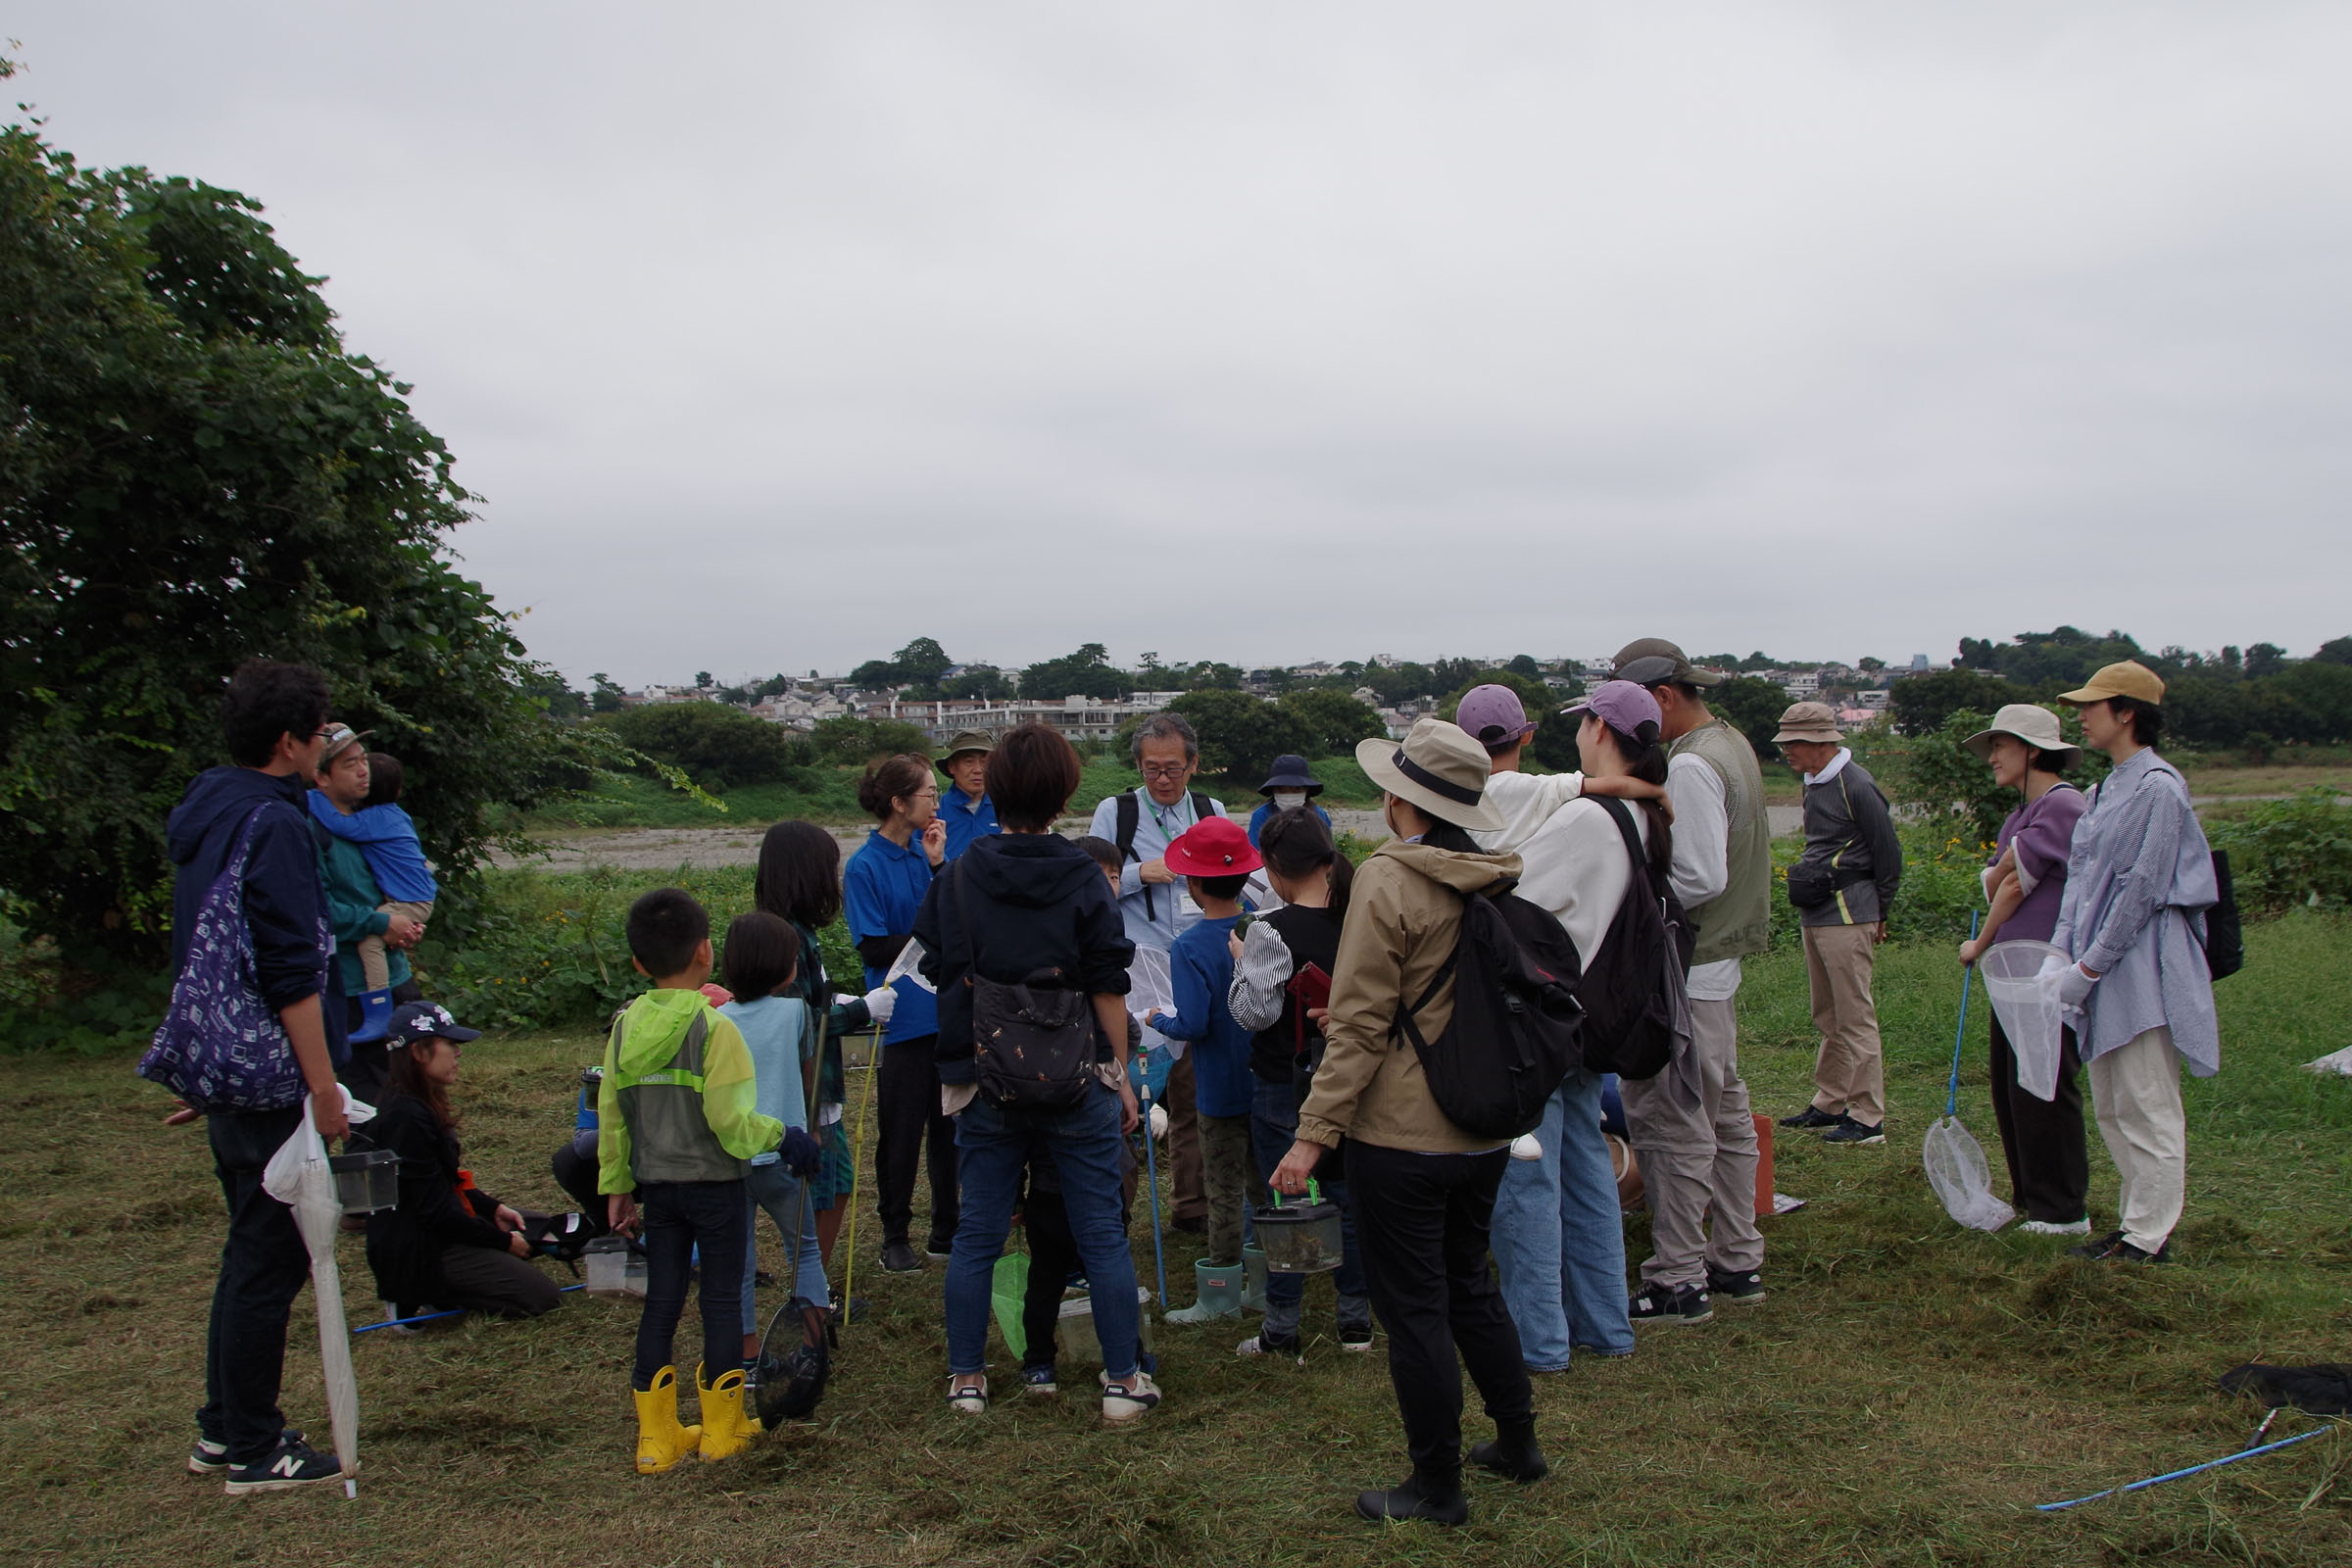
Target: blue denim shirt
point(2138, 881)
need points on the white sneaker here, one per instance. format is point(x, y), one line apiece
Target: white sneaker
point(1128, 1399)
point(2051, 1226)
point(1526, 1147)
point(967, 1393)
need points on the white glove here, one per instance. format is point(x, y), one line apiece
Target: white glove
point(1527, 1146)
point(881, 1002)
point(2074, 987)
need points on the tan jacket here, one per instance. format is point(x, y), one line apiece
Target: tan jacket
point(1403, 916)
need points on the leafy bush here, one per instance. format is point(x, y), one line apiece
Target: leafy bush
point(2290, 852)
point(1334, 721)
point(720, 747)
point(1937, 776)
point(1241, 735)
point(860, 740)
point(46, 1006)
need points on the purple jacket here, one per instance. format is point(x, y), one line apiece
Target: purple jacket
point(2043, 831)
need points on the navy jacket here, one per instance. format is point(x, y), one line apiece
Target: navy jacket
point(286, 905)
point(1038, 901)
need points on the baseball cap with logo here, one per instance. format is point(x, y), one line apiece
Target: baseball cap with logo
point(2130, 678)
point(415, 1021)
point(1650, 660)
point(340, 738)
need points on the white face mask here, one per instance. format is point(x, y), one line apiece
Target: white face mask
point(1284, 800)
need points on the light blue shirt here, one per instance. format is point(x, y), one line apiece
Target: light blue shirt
point(1154, 915)
point(772, 1031)
point(2138, 881)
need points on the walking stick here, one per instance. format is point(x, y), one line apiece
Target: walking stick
point(865, 1103)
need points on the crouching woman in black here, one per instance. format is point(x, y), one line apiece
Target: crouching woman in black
point(448, 1244)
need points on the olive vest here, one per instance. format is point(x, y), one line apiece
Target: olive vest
point(1736, 922)
point(669, 1137)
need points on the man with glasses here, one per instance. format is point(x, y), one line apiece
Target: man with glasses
point(1142, 822)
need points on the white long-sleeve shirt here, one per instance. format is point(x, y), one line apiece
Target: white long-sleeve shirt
point(1701, 867)
point(1574, 857)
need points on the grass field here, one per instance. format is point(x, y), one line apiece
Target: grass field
point(1906, 1396)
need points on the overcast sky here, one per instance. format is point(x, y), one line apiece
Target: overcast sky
point(776, 335)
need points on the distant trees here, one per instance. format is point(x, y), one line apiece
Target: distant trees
point(1332, 721)
point(1240, 734)
point(1751, 706)
point(719, 748)
point(1921, 703)
point(862, 740)
point(1087, 672)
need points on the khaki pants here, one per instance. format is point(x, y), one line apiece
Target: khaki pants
point(1848, 1075)
point(1229, 1173)
point(1697, 1158)
point(375, 964)
point(2137, 1090)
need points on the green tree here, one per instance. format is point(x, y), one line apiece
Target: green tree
point(1240, 734)
point(2264, 658)
point(1088, 672)
point(1921, 703)
point(193, 472)
point(702, 680)
point(1210, 675)
point(2334, 651)
point(876, 675)
point(978, 685)
point(1752, 706)
point(1332, 721)
point(1525, 665)
point(719, 748)
point(921, 662)
point(606, 697)
point(862, 740)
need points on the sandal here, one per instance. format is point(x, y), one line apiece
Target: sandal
point(967, 1391)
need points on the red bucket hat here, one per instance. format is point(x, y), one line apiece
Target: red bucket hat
point(1216, 847)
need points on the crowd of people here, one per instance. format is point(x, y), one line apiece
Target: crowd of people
point(1292, 1046)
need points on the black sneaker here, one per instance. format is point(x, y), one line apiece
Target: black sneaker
point(2126, 1252)
point(2098, 1248)
point(1264, 1344)
point(1190, 1227)
point(938, 1249)
point(1742, 1288)
point(1812, 1116)
point(1685, 1304)
point(851, 1311)
point(209, 1459)
point(293, 1465)
point(1850, 1131)
point(899, 1258)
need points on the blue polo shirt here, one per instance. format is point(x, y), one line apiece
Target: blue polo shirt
point(966, 818)
point(881, 892)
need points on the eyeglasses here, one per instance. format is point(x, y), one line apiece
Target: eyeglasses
point(1165, 769)
point(924, 795)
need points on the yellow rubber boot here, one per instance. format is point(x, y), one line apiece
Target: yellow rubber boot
point(727, 1427)
point(661, 1440)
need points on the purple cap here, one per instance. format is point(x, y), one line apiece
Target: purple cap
point(1492, 716)
point(1620, 703)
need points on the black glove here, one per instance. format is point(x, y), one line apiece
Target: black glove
point(802, 1154)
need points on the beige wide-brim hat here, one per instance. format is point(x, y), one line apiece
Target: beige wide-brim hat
point(2036, 725)
point(2130, 678)
point(1439, 768)
point(1809, 721)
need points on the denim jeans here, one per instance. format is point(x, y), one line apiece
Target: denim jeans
point(676, 1216)
point(1273, 1128)
point(263, 1265)
point(1559, 1235)
point(993, 1150)
point(777, 1191)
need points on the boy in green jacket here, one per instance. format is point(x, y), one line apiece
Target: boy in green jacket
point(678, 1116)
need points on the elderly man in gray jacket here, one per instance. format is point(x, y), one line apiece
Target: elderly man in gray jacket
point(1842, 887)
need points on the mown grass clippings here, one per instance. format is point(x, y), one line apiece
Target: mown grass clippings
point(1906, 1396)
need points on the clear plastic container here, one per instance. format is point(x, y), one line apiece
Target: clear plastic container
point(2028, 1011)
point(615, 1269)
point(366, 1180)
point(1303, 1240)
point(1076, 1326)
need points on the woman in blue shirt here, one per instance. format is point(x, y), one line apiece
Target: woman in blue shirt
point(882, 892)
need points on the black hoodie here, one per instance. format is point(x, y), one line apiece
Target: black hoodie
point(285, 906)
point(1035, 901)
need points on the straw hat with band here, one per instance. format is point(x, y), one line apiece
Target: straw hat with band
point(2130, 678)
point(340, 738)
point(2036, 726)
point(1438, 770)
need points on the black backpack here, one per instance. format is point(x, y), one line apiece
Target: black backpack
point(1130, 818)
point(1033, 1041)
point(1513, 1034)
point(1634, 996)
point(2225, 938)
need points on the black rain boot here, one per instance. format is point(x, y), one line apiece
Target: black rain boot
point(1418, 1496)
point(1513, 1453)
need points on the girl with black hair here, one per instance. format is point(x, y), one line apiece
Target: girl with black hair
point(1280, 975)
point(799, 880)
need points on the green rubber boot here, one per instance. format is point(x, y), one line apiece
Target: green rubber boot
point(1254, 1279)
point(1218, 1287)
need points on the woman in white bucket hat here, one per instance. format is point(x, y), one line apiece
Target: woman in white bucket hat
point(2049, 1163)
